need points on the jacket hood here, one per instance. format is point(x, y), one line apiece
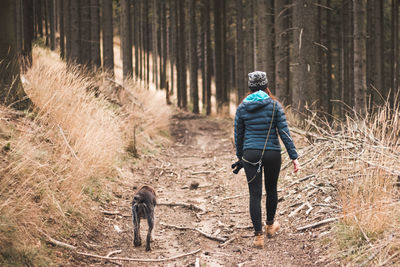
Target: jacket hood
point(255, 101)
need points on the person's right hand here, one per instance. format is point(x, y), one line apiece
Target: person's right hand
point(296, 165)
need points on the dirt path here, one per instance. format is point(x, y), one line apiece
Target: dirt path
point(201, 153)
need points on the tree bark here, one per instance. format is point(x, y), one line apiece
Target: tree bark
point(74, 32)
point(360, 85)
point(194, 90)
point(394, 53)
point(52, 25)
point(61, 11)
point(11, 91)
point(39, 16)
point(182, 87)
point(108, 47)
point(85, 57)
point(164, 47)
point(126, 45)
point(154, 45)
point(281, 51)
point(305, 55)
point(209, 63)
point(95, 33)
point(28, 31)
point(329, 58)
point(171, 43)
point(241, 78)
point(219, 53)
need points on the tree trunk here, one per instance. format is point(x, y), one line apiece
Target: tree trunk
point(249, 63)
point(46, 20)
point(241, 77)
point(18, 26)
point(28, 31)
point(95, 33)
point(194, 90)
point(269, 47)
point(305, 55)
point(147, 40)
point(281, 51)
point(182, 57)
point(154, 45)
point(74, 32)
point(52, 25)
point(11, 91)
point(85, 20)
point(136, 35)
point(360, 85)
point(219, 53)
point(39, 17)
point(108, 50)
point(209, 62)
point(394, 52)
point(61, 11)
point(171, 43)
point(67, 30)
point(164, 47)
point(126, 45)
point(329, 58)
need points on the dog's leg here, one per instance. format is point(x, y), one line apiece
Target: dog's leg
point(136, 227)
point(150, 222)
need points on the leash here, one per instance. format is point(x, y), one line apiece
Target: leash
point(259, 163)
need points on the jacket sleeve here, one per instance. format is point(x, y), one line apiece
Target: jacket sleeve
point(239, 134)
point(284, 132)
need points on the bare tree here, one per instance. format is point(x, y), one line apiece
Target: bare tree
point(107, 24)
point(11, 91)
point(305, 55)
point(281, 50)
point(126, 45)
point(360, 85)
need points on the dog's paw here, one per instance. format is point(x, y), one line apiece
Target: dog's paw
point(148, 248)
point(137, 242)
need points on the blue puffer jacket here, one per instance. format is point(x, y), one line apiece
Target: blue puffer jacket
point(252, 121)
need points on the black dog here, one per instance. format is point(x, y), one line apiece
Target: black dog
point(143, 204)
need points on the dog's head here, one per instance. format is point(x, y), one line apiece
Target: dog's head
point(144, 194)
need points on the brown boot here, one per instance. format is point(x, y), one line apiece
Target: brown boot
point(272, 229)
point(258, 241)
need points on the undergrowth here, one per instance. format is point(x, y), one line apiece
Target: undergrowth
point(60, 160)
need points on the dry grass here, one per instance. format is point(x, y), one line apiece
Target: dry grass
point(55, 161)
point(365, 155)
point(368, 233)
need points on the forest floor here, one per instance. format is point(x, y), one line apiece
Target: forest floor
point(200, 154)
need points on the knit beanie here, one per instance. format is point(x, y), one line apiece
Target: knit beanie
point(257, 81)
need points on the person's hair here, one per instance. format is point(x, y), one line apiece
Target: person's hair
point(265, 90)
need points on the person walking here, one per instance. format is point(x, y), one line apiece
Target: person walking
point(259, 120)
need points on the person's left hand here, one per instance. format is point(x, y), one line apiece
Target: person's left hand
point(296, 165)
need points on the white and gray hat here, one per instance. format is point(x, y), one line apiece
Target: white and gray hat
point(257, 79)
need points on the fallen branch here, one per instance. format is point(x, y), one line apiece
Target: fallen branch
point(184, 205)
point(56, 242)
point(212, 237)
point(107, 257)
point(139, 260)
point(106, 212)
point(227, 242)
point(296, 210)
point(113, 252)
point(313, 225)
point(302, 180)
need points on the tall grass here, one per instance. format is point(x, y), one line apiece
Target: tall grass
point(368, 234)
point(56, 159)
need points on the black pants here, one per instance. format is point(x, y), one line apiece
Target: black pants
point(272, 165)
